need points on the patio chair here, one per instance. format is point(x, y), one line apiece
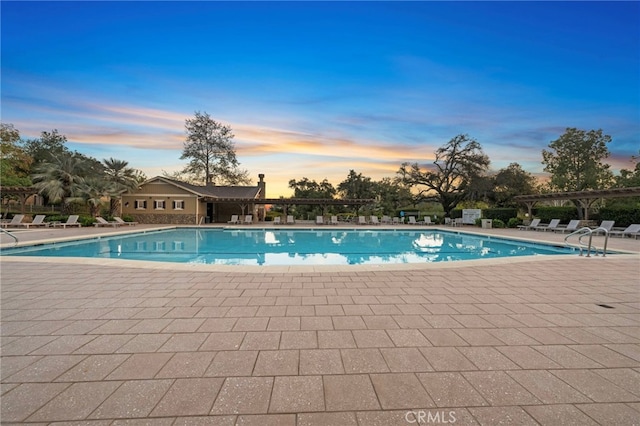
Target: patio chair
point(37, 221)
point(395, 220)
point(119, 220)
point(72, 220)
point(533, 224)
point(16, 221)
point(362, 220)
point(385, 219)
point(234, 219)
point(607, 224)
point(276, 220)
point(102, 222)
point(374, 220)
point(427, 220)
point(290, 220)
point(631, 231)
point(552, 225)
point(572, 226)
point(412, 220)
point(248, 219)
point(319, 220)
point(334, 220)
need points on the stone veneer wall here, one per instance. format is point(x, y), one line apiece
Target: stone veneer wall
point(164, 219)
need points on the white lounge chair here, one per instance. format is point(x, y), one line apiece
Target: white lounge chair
point(290, 220)
point(276, 220)
point(427, 220)
point(248, 219)
point(234, 219)
point(362, 220)
point(319, 220)
point(15, 221)
point(37, 221)
point(631, 231)
point(120, 221)
point(72, 220)
point(572, 226)
point(102, 222)
point(385, 219)
point(552, 225)
point(532, 225)
point(607, 224)
point(412, 220)
point(334, 220)
point(374, 220)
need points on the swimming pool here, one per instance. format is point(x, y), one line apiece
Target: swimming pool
point(292, 247)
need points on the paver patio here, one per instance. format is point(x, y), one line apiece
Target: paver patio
point(517, 342)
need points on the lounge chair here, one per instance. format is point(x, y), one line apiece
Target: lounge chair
point(374, 220)
point(248, 219)
point(120, 221)
point(385, 219)
point(412, 220)
point(606, 224)
point(631, 231)
point(396, 220)
point(276, 220)
point(290, 220)
point(362, 220)
point(571, 227)
point(554, 223)
point(319, 220)
point(71, 221)
point(102, 222)
point(234, 219)
point(37, 221)
point(334, 220)
point(427, 220)
point(533, 224)
point(16, 221)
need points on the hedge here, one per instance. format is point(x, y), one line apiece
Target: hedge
point(548, 213)
point(503, 214)
point(623, 216)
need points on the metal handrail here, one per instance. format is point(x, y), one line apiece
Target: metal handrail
point(588, 231)
point(11, 235)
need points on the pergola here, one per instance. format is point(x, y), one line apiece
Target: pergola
point(585, 198)
point(22, 192)
point(288, 202)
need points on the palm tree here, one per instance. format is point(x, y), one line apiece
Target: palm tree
point(93, 192)
point(60, 179)
point(121, 179)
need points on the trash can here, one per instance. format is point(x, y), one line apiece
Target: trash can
point(487, 223)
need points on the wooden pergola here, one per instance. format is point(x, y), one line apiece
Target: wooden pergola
point(584, 198)
point(22, 192)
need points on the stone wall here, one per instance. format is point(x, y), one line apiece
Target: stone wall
point(164, 219)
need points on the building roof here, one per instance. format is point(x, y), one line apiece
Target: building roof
point(246, 192)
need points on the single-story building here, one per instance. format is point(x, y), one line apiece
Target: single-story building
point(163, 200)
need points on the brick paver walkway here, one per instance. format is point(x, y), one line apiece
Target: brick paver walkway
point(543, 342)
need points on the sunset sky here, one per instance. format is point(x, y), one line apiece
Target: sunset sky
point(316, 89)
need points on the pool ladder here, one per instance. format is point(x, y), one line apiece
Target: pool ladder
point(11, 235)
point(583, 232)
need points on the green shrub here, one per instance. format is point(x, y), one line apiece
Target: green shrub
point(503, 214)
point(497, 223)
point(456, 214)
point(623, 216)
point(478, 222)
point(514, 222)
point(548, 213)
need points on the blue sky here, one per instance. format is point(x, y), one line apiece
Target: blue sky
point(314, 89)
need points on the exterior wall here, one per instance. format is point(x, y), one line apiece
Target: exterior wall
point(155, 203)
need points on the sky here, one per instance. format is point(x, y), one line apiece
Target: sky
point(316, 89)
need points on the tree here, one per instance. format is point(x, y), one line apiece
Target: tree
point(306, 188)
point(121, 179)
point(629, 178)
point(15, 163)
point(575, 161)
point(60, 179)
point(211, 152)
point(92, 191)
point(511, 181)
point(456, 164)
point(49, 146)
point(357, 186)
point(392, 194)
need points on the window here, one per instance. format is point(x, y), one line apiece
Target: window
point(159, 204)
point(178, 205)
point(141, 204)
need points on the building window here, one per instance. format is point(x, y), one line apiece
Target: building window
point(159, 204)
point(178, 205)
point(141, 204)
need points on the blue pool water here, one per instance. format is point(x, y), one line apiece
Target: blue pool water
point(292, 247)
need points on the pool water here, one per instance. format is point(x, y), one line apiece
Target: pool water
point(292, 247)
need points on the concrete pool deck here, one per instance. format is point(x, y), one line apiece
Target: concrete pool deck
point(541, 340)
